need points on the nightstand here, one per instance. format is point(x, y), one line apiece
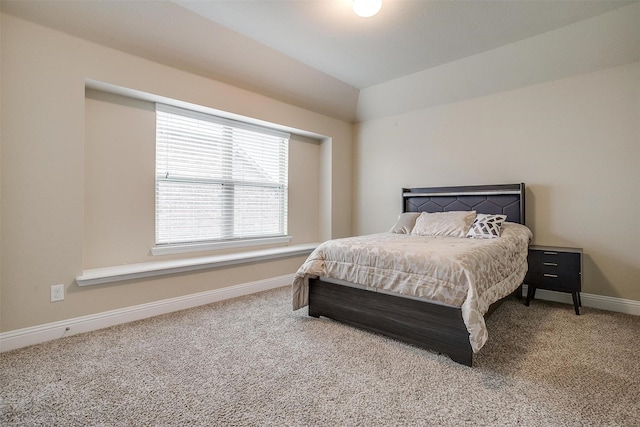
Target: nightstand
point(555, 269)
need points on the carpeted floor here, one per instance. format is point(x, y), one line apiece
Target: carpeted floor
point(252, 361)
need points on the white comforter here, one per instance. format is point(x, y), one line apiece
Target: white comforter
point(461, 272)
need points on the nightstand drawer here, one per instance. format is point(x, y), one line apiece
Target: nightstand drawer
point(554, 262)
point(552, 281)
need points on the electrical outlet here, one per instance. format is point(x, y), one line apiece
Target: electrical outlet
point(57, 293)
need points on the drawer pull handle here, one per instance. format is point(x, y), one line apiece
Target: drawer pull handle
point(550, 253)
point(552, 264)
point(550, 275)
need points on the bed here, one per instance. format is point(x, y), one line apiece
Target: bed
point(364, 296)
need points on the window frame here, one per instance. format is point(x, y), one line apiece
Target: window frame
point(228, 184)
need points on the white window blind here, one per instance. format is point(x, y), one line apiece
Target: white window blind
point(218, 179)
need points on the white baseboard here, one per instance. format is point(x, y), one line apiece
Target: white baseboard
point(38, 334)
point(619, 305)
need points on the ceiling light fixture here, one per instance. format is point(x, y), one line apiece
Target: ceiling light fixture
point(366, 8)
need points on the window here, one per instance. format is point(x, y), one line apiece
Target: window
point(218, 180)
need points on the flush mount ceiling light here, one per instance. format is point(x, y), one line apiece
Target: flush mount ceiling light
point(366, 8)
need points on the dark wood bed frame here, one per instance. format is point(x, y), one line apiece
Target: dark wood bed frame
point(427, 325)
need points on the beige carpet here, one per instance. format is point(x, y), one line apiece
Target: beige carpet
point(252, 361)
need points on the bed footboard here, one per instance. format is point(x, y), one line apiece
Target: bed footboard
point(430, 326)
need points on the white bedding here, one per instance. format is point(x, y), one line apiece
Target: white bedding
point(460, 272)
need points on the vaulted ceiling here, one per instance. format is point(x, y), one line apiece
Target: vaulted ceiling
point(316, 53)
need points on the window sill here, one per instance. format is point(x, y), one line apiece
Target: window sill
point(119, 273)
point(199, 247)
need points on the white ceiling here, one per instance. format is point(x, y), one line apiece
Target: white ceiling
point(407, 36)
point(316, 54)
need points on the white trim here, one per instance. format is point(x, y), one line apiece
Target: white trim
point(198, 247)
point(38, 334)
point(149, 97)
point(601, 302)
point(118, 273)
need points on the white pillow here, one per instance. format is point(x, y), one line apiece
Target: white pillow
point(405, 223)
point(486, 226)
point(450, 224)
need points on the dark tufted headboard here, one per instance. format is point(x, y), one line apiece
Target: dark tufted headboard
point(506, 199)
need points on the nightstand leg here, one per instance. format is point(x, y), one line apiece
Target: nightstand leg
point(576, 304)
point(531, 294)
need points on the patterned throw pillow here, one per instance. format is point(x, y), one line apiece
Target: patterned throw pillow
point(486, 226)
